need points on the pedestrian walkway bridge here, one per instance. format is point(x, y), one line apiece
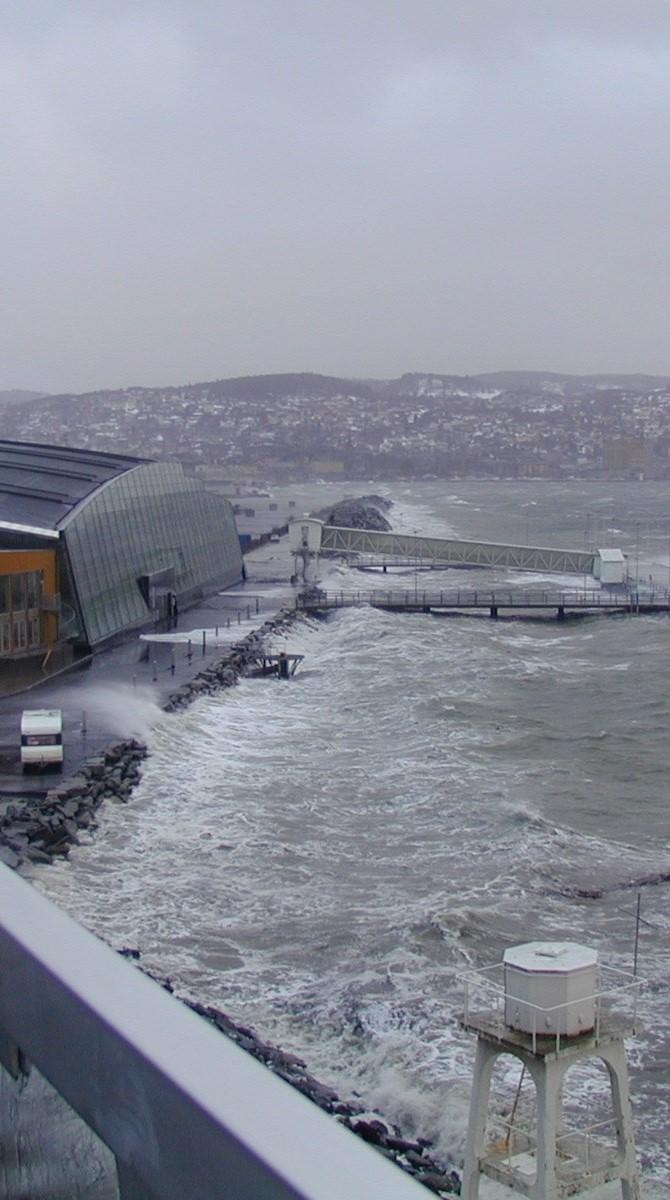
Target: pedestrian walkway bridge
point(456, 552)
point(309, 537)
point(504, 602)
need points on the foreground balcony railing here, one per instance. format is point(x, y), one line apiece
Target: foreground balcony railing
point(186, 1112)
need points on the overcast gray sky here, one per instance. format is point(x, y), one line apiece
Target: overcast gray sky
point(200, 188)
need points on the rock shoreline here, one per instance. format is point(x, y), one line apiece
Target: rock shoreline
point(412, 1155)
point(37, 832)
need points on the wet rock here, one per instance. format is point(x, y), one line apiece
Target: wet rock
point(61, 848)
point(371, 1131)
point(75, 786)
point(96, 767)
point(441, 1183)
point(357, 514)
point(409, 1155)
point(36, 855)
point(405, 1147)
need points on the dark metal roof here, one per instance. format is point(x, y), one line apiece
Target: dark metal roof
point(39, 485)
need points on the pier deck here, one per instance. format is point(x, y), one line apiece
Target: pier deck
point(502, 602)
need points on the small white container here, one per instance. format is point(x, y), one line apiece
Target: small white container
point(550, 988)
point(42, 737)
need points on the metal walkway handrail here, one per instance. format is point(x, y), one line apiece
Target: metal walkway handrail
point(483, 598)
point(454, 551)
point(187, 1113)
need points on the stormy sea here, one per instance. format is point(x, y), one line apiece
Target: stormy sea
point(324, 859)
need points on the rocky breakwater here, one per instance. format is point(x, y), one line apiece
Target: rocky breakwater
point(412, 1155)
point(243, 657)
point(366, 512)
point(37, 831)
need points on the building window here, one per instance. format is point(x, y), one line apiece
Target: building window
point(32, 589)
point(20, 633)
point(18, 583)
point(5, 637)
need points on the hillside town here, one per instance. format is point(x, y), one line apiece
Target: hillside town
point(292, 427)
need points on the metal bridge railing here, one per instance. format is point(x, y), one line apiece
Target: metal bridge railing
point(414, 597)
point(187, 1113)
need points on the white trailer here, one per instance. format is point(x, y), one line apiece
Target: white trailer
point(42, 737)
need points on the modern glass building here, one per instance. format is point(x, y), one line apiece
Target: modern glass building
point(130, 538)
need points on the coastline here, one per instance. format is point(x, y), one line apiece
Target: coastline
point(36, 830)
point(37, 833)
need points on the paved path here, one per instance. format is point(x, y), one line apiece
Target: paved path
point(119, 692)
point(46, 1151)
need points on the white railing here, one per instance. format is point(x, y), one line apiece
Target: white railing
point(481, 598)
point(187, 1113)
point(583, 1148)
point(615, 1006)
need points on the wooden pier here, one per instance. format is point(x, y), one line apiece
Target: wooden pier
point(282, 665)
point(502, 602)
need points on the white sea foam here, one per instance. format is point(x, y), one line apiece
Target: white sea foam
point(322, 858)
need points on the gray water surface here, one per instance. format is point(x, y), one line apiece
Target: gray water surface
point(324, 859)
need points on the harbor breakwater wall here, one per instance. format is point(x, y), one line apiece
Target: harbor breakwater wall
point(40, 830)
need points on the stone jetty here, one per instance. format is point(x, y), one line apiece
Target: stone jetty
point(37, 831)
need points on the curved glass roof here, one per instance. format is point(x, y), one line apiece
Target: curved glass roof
point(40, 485)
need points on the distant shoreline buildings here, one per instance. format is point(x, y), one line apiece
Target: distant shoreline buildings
point(290, 427)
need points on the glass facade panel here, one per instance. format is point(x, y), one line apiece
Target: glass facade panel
point(20, 633)
point(153, 518)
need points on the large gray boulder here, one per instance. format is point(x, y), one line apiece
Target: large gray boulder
point(358, 514)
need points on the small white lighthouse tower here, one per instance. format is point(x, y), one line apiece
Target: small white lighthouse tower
point(550, 1005)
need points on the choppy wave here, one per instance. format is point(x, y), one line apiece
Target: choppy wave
point(324, 858)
